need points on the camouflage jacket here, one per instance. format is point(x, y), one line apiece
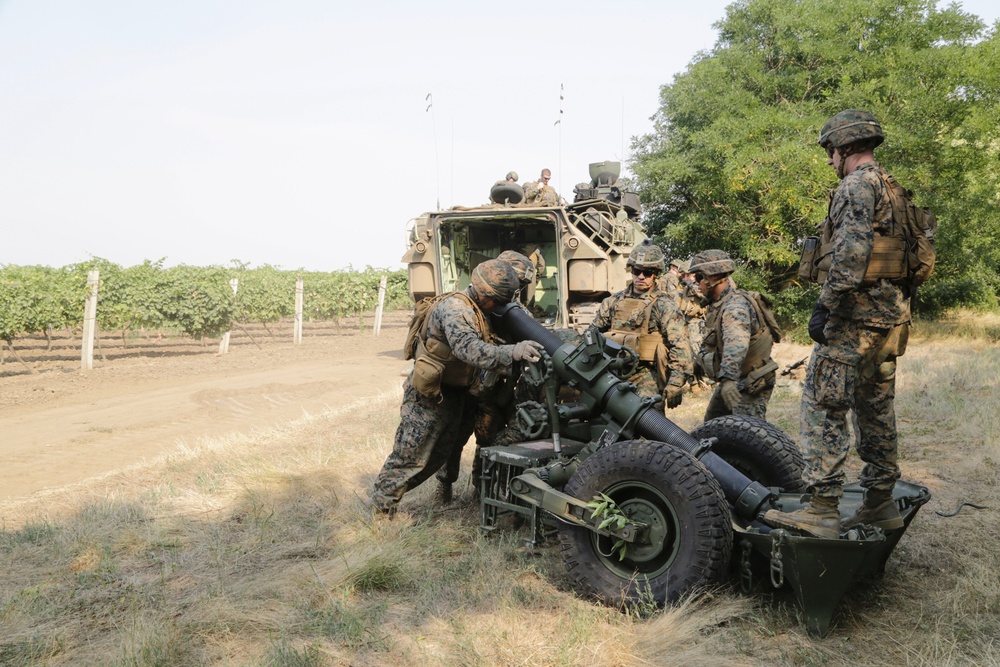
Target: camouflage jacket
point(664, 318)
point(739, 322)
point(859, 208)
point(453, 321)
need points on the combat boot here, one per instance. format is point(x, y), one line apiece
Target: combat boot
point(820, 518)
point(444, 493)
point(879, 510)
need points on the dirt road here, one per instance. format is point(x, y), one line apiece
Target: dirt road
point(61, 425)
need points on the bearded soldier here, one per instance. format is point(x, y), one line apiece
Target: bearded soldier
point(859, 324)
point(739, 334)
point(438, 408)
point(646, 320)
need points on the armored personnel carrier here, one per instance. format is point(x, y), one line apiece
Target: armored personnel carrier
point(584, 244)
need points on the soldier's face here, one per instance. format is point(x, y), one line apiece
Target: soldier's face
point(834, 160)
point(643, 279)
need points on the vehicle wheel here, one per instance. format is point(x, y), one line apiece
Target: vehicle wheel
point(689, 540)
point(758, 449)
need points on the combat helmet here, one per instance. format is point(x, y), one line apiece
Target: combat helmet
point(680, 264)
point(495, 279)
point(849, 126)
point(523, 266)
point(512, 176)
point(712, 263)
point(646, 255)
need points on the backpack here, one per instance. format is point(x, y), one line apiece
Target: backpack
point(418, 324)
point(917, 227)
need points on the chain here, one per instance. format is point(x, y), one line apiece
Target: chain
point(777, 567)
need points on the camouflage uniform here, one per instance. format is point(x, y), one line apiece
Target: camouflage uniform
point(691, 303)
point(663, 318)
point(739, 321)
point(855, 368)
point(534, 253)
point(429, 429)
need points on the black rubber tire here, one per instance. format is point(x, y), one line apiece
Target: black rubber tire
point(669, 489)
point(503, 192)
point(758, 449)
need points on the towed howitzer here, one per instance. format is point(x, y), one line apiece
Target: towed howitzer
point(680, 500)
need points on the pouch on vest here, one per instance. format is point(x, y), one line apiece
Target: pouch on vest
point(758, 380)
point(807, 262)
point(426, 376)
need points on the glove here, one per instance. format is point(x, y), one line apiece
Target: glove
point(730, 393)
point(674, 395)
point(817, 323)
point(527, 350)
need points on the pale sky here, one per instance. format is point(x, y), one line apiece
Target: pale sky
point(297, 133)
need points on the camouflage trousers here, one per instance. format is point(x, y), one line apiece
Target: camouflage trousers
point(753, 406)
point(427, 434)
point(853, 371)
point(487, 420)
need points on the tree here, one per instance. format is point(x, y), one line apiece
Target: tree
point(732, 161)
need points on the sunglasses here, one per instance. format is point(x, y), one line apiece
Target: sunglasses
point(699, 276)
point(645, 273)
point(829, 151)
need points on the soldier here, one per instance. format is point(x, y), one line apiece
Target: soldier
point(489, 415)
point(437, 405)
point(670, 282)
point(859, 327)
point(693, 304)
point(540, 193)
point(646, 320)
point(739, 333)
point(534, 253)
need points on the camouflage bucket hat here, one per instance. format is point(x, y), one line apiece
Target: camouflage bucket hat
point(497, 279)
point(523, 266)
point(850, 126)
point(646, 255)
point(712, 263)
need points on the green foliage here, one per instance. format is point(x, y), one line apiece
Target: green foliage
point(604, 508)
point(38, 298)
point(733, 163)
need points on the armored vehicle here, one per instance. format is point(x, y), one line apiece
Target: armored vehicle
point(584, 245)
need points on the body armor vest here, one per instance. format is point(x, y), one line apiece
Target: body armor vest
point(438, 366)
point(630, 325)
point(757, 361)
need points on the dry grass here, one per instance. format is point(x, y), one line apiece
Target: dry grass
point(260, 550)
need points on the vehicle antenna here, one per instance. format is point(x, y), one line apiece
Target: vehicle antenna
point(437, 162)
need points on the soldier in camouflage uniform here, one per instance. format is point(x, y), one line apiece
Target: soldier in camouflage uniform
point(736, 350)
point(647, 321)
point(540, 193)
point(489, 415)
point(437, 405)
point(859, 327)
point(670, 281)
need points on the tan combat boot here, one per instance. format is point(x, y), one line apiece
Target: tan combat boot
point(820, 518)
point(879, 510)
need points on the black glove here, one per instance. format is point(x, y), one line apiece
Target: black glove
point(674, 395)
point(817, 323)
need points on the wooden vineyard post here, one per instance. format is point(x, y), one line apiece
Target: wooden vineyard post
point(89, 321)
point(297, 333)
point(224, 343)
point(381, 304)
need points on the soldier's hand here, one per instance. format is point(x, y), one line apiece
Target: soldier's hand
point(675, 393)
point(528, 350)
point(817, 323)
point(730, 393)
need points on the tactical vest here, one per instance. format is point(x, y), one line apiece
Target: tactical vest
point(434, 364)
point(757, 363)
point(630, 325)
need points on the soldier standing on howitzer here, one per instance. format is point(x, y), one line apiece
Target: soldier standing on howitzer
point(490, 409)
point(739, 333)
point(438, 407)
point(647, 321)
point(859, 325)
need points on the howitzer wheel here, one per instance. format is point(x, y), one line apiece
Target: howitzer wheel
point(689, 540)
point(758, 449)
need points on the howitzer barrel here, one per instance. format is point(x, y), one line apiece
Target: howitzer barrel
point(746, 496)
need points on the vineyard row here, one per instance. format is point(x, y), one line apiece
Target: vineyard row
point(197, 301)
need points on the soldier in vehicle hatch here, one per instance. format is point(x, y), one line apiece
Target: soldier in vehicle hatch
point(438, 408)
point(540, 193)
point(860, 327)
point(647, 321)
point(739, 333)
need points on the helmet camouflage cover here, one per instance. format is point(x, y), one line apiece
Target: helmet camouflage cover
point(849, 126)
point(646, 255)
point(496, 279)
point(679, 264)
point(523, 266)
point(512, 176)
point(712, 263)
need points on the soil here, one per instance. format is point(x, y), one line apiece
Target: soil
point(62, 424)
